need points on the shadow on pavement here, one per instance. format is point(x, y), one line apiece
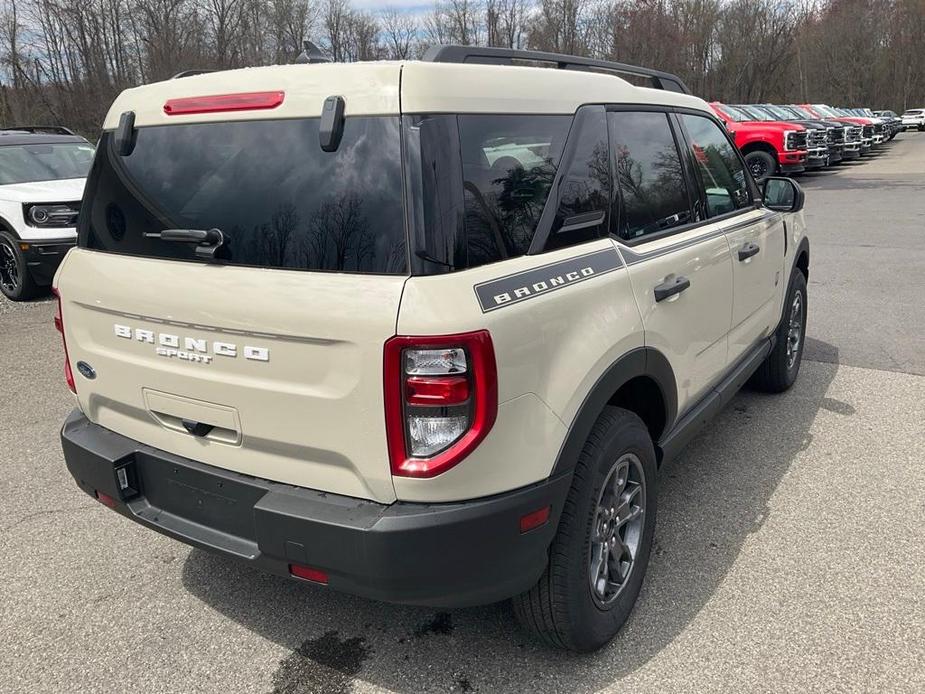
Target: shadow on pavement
point(712, 499)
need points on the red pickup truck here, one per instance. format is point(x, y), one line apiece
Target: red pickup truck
point(769, 147)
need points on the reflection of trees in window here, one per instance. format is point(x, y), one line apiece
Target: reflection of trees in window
point(653, 192)
point(500, 220)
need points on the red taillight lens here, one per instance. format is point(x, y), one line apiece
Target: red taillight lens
point(59, 326)
point(250, 101)
point(308, 573)
point(436, 391)
point(441, 400)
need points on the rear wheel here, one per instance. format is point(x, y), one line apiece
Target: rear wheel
point(15, 281)
point(761, 164)
point(780, 370)
point(598, 558)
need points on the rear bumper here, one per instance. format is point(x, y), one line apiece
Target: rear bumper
point(447, 555)
point(43, 257)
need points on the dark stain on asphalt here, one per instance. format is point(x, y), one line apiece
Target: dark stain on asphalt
point(442, 623)
point(837, 406)
point(324, 665)
point(464, 684)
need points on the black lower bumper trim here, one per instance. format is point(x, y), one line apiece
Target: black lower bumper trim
point(43, 258)
point(446, 555)
point(791, 168)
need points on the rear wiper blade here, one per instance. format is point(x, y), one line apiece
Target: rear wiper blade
point(207, 241)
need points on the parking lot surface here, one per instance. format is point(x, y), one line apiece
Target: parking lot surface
point(790, 548)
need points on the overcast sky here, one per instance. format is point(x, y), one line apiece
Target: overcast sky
point(410, 5)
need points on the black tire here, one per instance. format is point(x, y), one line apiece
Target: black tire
point(761, 164)
point(780, 370)
point(563, 609)
point(16, 281)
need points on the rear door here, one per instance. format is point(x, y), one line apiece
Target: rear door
point(275, 348)
point(756, 237)
point(679, 265)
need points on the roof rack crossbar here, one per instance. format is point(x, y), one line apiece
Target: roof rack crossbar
point(508, 56)
point(44, 129)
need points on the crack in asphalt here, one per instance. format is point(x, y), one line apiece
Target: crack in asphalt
point(40, 514)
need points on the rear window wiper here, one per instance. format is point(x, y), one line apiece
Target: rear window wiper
point(207, 241)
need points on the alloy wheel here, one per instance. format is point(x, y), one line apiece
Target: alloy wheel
point(616, 532)
point(795, 332)
point(759, 169)
point(9, 268)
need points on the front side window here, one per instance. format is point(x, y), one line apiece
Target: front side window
point(720, 171)
point(279, 200)
point(649, 172)
point(44, 162)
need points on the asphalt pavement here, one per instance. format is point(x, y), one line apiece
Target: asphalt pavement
point(790, 547)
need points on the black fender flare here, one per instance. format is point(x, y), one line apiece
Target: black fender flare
point(802, 247)
point(642, 361)
point(9, 228)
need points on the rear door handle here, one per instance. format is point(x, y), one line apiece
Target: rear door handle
point(671, 288)
point(748, 250)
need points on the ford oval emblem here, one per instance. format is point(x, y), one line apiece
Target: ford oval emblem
point(86, 370)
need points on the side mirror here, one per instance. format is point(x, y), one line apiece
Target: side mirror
point(782, 194)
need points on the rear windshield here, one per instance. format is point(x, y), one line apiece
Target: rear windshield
point(279, 200)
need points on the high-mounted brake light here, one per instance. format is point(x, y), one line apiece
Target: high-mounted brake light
point(248, 101)
point(441, 400)
point(59, 326)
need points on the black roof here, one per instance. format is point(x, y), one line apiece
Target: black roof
point(22, 137)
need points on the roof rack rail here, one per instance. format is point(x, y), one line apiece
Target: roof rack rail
point(190, 73)
point(43, 129)
point(508, 56)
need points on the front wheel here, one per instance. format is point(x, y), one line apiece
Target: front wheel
point(598, 558)
point(780, 369)
point(16, 282)
point(761, 164)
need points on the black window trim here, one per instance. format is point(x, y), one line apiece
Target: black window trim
point(658, 236)
point(543, 231)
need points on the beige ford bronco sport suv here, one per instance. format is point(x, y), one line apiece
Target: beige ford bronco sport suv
point(421, 331)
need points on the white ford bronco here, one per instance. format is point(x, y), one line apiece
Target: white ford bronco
point(421, 331)
point(42, 172)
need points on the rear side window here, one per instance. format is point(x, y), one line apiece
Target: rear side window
point(477, 185)
point(721, 173)
point(649, 172)
point(279, 200)
point(509, 163)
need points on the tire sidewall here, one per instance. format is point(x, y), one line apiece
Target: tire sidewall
point(797, 284)
point(598, 625)
point(760, 154)
point(7, 240)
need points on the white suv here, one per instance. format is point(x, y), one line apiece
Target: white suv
point(914, 118)
point(42, 173)
point(421, 331)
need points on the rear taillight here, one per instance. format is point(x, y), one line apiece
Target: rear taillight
point(59, 326)
point(441, 400)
